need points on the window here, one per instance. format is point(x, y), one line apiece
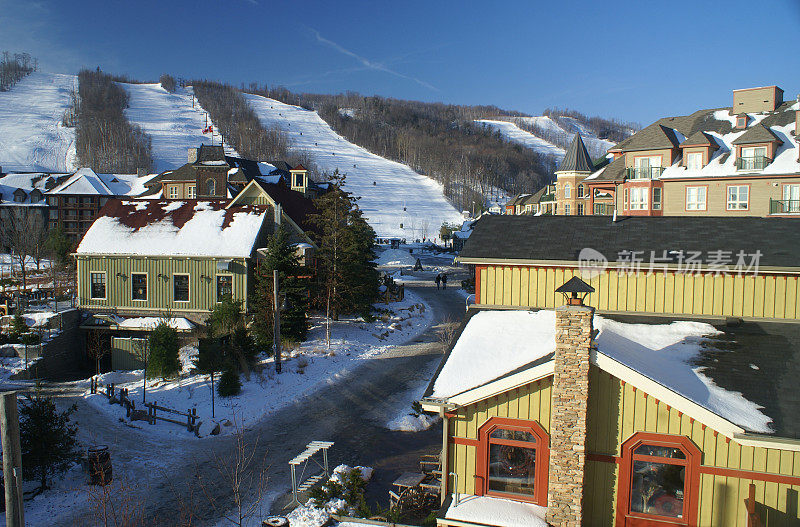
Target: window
point(639, 198)
point(581, 191)
point(659, 477)
point(224, 286)
point(180, 287)
point(513, 459)
point(97, 286)
point(696, 198)
point(191, 192)
point(173, 192)
point(657, 198)
point(646, 167)
point(298, 180)
point(791, 199)
point(741, 121)
point(567, 190)
point(210, 187)
point(139, 286)
point(567, 210)
point(738, 197)
point(580, 209)
point(625, 199)
point(694, 160)
point(54, 214)
point(752, 158)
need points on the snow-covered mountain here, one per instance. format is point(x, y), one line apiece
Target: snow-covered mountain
point(396, 201)
point(32, 138)
point(172, 120)
point(565, 130)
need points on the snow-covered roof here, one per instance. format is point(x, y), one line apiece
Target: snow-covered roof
point(175, 228)
point(27, 182)
point(147, 323)
point(485, 510)
point(87, 182)
point(495, 344)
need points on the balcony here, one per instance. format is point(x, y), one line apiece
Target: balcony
point(644, 172)
point(752, 163)
point(784, 206)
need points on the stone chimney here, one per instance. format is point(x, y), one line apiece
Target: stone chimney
point(574, 332)
point(192, 155)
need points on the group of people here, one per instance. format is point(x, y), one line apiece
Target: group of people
point(441, 279)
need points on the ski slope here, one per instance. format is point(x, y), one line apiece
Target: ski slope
point(171, 120)
point(516, 134)
point(32, 138)
point(596, 147)
point(391, 193)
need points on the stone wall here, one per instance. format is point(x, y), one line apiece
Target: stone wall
point(568, 418)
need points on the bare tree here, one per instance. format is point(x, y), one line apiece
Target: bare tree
point(96, 347)
point(23, 231)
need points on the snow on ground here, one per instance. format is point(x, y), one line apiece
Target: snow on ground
point(515, 134)
point(170, 120)
point(395, 258)
point(396, 186)
point(309, 515)
point(484, 510)
point(662, 352)
point(407, 421)
point(31, 134)
point(310, 366)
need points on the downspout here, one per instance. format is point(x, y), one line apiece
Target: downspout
point(445, 461)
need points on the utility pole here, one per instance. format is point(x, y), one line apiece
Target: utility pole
point(276, 331)
point(12, 459)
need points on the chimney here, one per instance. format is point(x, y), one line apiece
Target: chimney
point(141, 172)
point(192, 155)
point(574, 332)
point(278, 212)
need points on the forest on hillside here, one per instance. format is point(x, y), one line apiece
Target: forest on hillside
point(436, 139)
point(14, 67)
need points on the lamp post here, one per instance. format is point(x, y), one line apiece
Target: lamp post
point(574, 287)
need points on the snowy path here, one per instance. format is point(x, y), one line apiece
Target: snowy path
point(351, 411)
point(516, 134)
point(170, 120)
point(31, 135)
point(396, 186)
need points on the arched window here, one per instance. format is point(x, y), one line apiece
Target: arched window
point(659, 480)
point(513, 459)
point(567, 190)
point(581, 191)
point(210, 187)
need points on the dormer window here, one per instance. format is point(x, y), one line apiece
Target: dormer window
point(694, 160)
point(741, 121)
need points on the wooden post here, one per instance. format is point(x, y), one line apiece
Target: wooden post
point(276, 332)
point(12, 460)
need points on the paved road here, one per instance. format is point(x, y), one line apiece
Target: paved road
point(349, 412)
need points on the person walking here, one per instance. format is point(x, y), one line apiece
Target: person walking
point(444, 280)
point(438, 280)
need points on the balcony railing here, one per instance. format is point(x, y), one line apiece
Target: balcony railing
point(784, 206)
point(645, 172)
point(752, 163)
point(603, 209)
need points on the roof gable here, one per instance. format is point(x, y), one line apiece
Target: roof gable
point(757, 134)
point(654, 137)
point(699, 138)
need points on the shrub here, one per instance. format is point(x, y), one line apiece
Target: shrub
point(18, 327)
point(229, 383)
point(164, 348)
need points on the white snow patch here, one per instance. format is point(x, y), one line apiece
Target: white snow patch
point(514, 133)
point(483, 510)
point(396, 258)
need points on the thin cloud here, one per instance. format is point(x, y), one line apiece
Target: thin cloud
point(376, 66)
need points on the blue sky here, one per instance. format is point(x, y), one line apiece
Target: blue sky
point(636, 60)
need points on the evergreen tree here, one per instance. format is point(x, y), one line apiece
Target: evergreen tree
point(58, 246)
point(164, 348)
point(347, 275)
point(281, 254)
point(47, 439)
point(229, 383)
point(210, 359)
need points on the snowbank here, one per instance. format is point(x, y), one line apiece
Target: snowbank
point(396, 257)
point(309, 515)
point(496, 511)
point(305, 369)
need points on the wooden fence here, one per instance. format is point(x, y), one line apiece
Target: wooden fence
point(120, 396)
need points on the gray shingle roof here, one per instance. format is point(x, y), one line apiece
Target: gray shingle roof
point(655, 136)
point(561, 238)
point(577, 158)
point(699, 138)
point(757, 134)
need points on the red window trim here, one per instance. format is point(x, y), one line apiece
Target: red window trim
point(692, 493)
point(542, 447)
